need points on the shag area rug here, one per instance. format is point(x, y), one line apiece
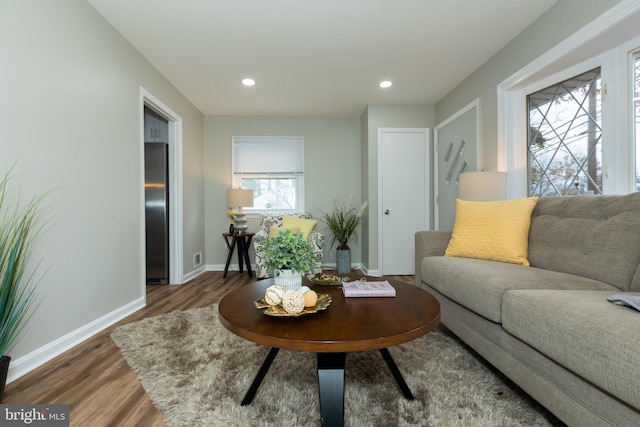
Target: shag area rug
point(196, 373)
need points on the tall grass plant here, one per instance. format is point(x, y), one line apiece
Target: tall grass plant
point(21, 223)
point(343, 221)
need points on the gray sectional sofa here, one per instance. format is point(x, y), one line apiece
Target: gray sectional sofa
point(549, 327)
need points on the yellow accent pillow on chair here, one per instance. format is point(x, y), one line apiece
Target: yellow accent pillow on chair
point(274, 230)
point(496, 231)
point(305, 225)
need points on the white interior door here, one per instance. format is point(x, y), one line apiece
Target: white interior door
point(403, 158)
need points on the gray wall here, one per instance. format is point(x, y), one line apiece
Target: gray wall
point(70, 116)
point(332, 169)
point(559, 22)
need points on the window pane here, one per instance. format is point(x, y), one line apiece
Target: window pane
point(273, 167)
point(636, 113)
point(565, 137)
point(276, 194)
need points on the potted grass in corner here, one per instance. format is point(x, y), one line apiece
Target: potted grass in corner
point(343, 223)
point(20, 225)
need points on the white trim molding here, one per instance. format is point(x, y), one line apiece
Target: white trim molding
point(42, 355)
point(176, 262)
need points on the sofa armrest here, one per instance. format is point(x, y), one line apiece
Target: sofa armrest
point(429, 243)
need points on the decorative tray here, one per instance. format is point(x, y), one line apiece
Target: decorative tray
point(326, 279)
point(277, 311)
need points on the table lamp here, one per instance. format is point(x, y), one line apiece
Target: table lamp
point(483, 186)
point(238, 198)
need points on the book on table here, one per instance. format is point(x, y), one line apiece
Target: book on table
point(368, 289)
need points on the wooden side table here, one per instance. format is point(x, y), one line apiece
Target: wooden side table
point(242, 242)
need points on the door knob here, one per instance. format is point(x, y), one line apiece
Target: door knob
point(386, 211)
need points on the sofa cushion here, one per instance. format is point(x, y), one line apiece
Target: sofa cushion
point(595, 237)
point(479, 285)
point(583, 332)
point(496, 231)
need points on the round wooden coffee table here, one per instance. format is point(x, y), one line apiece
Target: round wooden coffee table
point(349, 324)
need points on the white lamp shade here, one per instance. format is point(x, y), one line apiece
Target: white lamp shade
point(238, 198)
point(485, 185)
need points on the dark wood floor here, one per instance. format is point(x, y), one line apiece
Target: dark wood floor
point(96, 381)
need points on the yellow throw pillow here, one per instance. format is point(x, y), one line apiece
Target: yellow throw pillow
point(305, 225)
point(274, 230)
point(496, 231)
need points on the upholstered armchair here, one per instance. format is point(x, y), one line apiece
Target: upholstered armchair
point(315, 238)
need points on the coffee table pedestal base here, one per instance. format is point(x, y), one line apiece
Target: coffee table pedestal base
point(331, 388)
point(330, 383)
point(253, 388)
point(397, 374)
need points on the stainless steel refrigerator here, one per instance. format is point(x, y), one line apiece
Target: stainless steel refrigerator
point(156, 190)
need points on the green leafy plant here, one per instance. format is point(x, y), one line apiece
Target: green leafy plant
point(288, 251)
point(343, 221)
point(20, 226)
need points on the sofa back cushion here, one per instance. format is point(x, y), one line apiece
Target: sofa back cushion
point(595, 237)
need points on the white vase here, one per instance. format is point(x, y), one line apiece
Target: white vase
point(288, 280)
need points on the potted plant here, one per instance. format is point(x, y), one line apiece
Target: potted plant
point(289, 256)
point(343, 223)
point(20, 225)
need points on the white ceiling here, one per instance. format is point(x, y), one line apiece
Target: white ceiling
point(317, 57)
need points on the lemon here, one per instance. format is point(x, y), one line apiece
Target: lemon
point(310, 298)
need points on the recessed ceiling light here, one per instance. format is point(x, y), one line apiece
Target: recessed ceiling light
point(385, 84)
point(248, 82)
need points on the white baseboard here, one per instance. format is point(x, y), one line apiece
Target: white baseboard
point(193, 274)
point(31, 361)
point(220, 267)
point(372, 273)
point(232, 267)
point(354, 266)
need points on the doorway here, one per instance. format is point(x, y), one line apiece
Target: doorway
point(174, 183)
point(156, 197)
point(403, 195)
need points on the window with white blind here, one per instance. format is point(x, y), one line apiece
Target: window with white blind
point(273, 167)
